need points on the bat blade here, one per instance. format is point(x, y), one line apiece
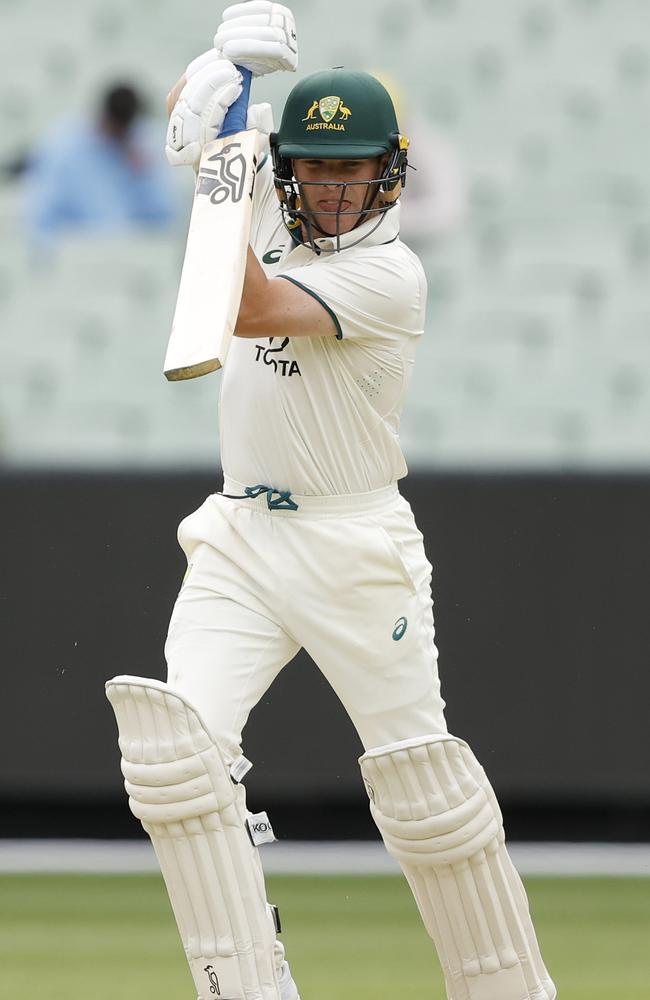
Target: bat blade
point(212, 278)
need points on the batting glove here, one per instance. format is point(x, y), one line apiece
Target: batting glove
point(213, 84)
point(260, 116)
point(260, 36)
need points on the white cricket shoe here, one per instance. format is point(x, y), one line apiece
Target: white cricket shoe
point(288, 989)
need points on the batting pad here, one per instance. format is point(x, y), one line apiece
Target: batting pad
point(181, 789)
point(438, 816)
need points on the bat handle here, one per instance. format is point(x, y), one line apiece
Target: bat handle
point(235, 120)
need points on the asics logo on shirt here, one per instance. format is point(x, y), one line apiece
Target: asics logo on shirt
point(285, 367)
point(273, 256)
point(399, 631)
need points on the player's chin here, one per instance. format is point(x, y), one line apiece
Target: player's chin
point(331, 226)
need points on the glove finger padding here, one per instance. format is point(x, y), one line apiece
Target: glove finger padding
point(205, 59)
point(256, 7)
point(257, 56)
point(259, 35)
point(260, 116)
point(201, 109)
point(242, 33)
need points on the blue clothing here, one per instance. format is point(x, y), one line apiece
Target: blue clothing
point(82, 179)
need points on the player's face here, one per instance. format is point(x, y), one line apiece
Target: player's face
point(324, 196)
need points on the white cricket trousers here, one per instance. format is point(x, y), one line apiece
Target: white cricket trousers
point(345, 577)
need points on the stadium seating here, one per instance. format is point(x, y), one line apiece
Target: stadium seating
point(537, 348)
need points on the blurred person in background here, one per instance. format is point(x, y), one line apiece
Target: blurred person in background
point(103, 175)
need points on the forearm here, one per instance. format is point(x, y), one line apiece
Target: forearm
point(255, 303)
point(275, 307)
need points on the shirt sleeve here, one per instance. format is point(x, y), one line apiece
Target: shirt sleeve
point(379, 294)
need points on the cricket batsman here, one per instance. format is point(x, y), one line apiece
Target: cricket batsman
point(310, 544)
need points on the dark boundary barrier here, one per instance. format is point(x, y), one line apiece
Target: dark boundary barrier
point(543, 625)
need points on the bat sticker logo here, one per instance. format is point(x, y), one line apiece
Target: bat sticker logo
point(228, 179)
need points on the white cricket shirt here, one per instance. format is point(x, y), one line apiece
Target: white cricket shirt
point(320, 415)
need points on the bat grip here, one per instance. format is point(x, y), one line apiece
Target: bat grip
point(236, 118)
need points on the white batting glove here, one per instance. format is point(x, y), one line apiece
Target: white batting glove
point(260, 116)
point(260, 36)
point(213, 84)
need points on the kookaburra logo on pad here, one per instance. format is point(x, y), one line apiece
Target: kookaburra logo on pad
point(214, 980)
point(328, 108)
point(227, 180)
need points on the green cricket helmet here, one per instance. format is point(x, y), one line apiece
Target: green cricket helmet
point(338, 114)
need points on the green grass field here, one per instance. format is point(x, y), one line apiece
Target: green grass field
point(113, 938)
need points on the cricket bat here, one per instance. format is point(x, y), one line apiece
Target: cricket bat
point(212, 279)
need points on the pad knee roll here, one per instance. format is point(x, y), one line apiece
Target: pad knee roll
point(438, 816)
point(181, 789)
